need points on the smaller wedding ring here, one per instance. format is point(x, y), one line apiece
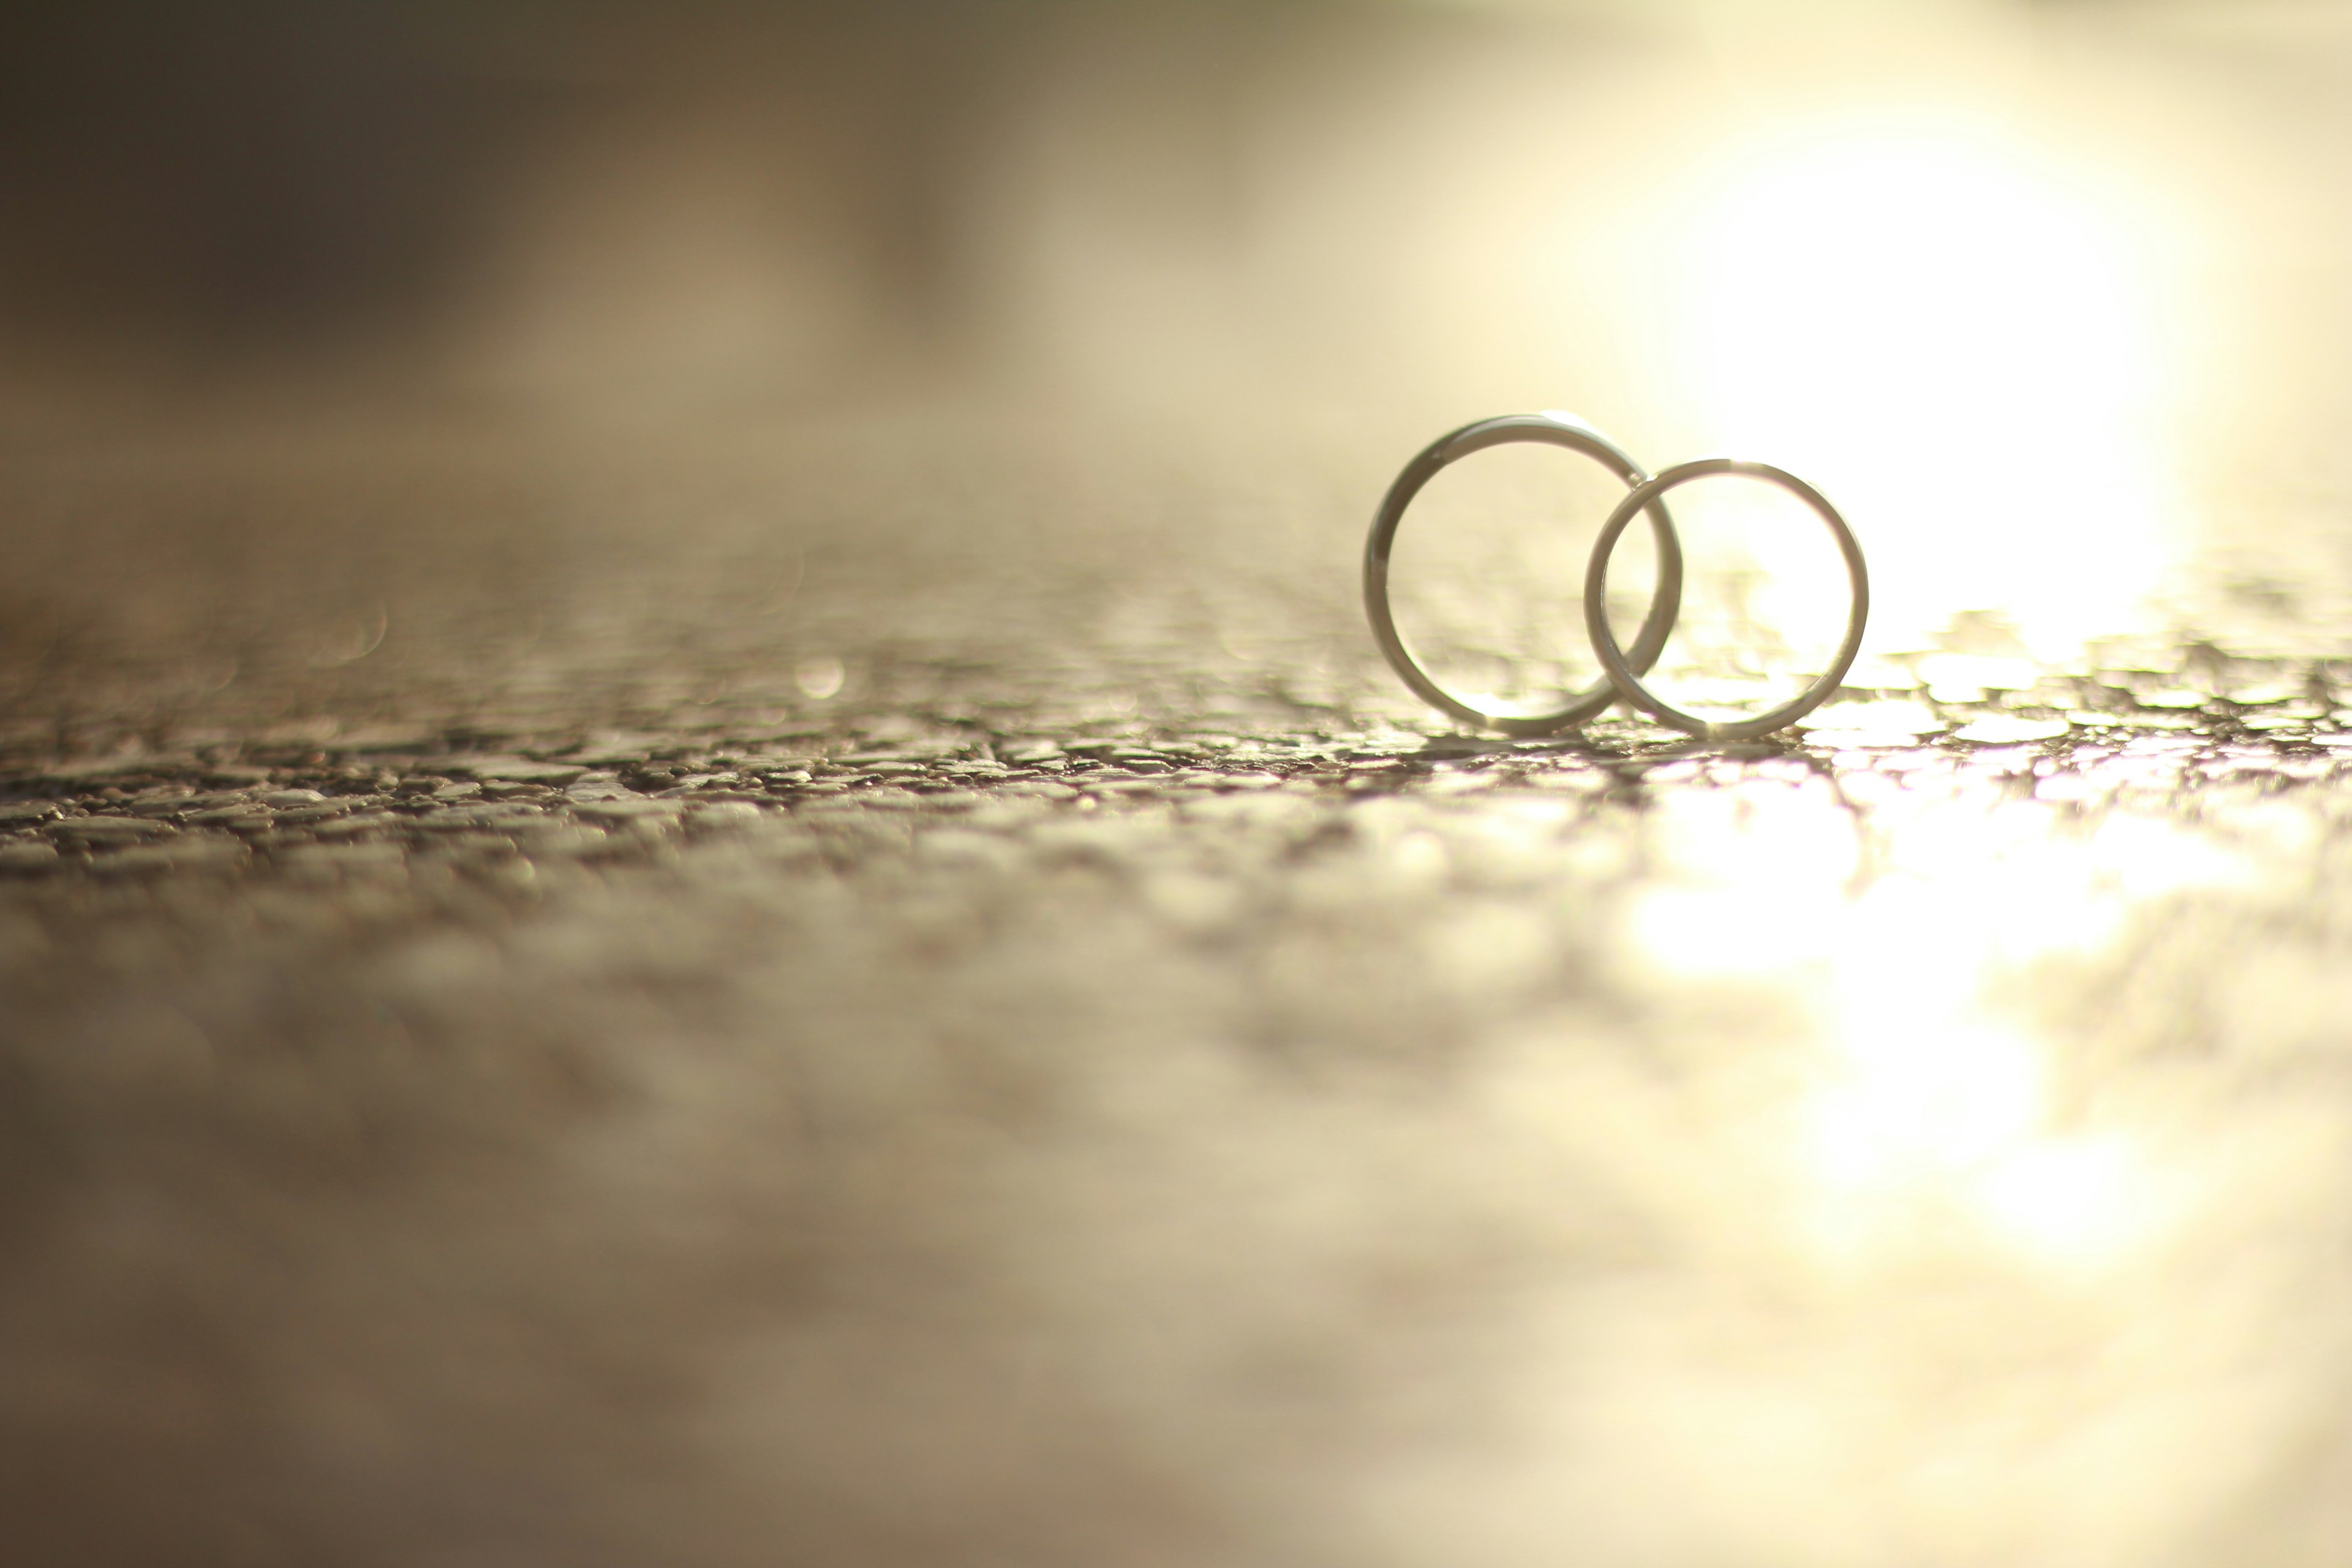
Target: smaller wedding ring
point(1625, 673)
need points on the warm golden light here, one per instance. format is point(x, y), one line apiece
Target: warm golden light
point(1971, 341)
point(1928, 1117)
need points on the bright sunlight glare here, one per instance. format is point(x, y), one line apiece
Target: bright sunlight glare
point(1970, 343)
point(1928, 1110)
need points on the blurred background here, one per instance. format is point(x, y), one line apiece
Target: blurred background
point(2048, 295)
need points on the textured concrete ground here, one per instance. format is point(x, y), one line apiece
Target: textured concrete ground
point(702, 861)
point(905, 992)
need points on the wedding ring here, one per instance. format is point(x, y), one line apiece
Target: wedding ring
point(1625, 672)
point(1559, 431)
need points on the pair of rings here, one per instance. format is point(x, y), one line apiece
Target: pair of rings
point(1625, 668)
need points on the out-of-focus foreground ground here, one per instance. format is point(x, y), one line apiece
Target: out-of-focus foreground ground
point(701, 860)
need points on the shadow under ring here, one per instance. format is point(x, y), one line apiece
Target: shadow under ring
point(1626, 672)
point(1552, 429)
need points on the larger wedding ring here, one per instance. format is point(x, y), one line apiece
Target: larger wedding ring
point(1624, 672)
point(1559, 431)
